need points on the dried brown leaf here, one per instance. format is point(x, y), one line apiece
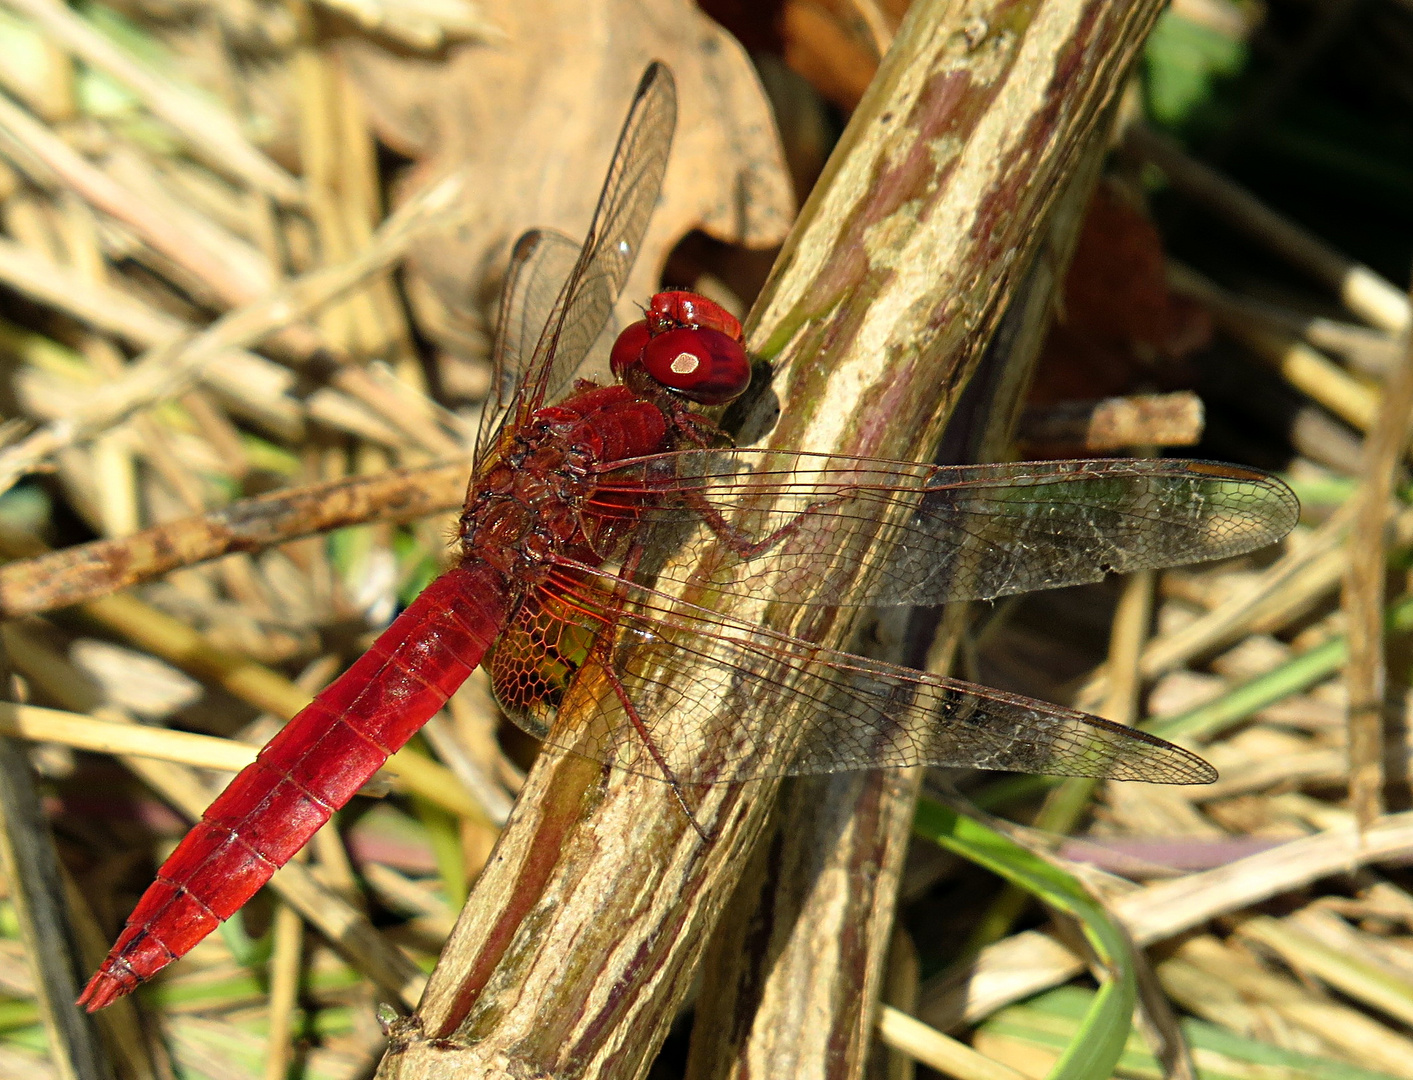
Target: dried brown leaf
point(526, 122)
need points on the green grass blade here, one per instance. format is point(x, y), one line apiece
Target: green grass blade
point(1100, 1038)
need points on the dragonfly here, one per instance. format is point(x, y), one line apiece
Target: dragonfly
point(582, 504)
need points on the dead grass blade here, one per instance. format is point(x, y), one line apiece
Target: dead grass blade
point(31, 866)
point(168, 371)
point(1364, 591)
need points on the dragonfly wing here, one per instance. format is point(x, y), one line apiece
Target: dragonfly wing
point(865, 714)
point(540, 263)
point(620, 222)
point(821, 529)
point(537, 655)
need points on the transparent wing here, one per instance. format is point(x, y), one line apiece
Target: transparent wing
point(540, 263)
point(630, 192)
point(963, 532)
point(866, 714)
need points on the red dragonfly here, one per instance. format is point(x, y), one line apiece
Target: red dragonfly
point(580, 494)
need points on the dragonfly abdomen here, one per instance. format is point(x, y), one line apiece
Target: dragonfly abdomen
point(313, 766)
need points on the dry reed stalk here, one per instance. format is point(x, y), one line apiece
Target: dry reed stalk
point(1364, 592)
point(939, 1051)
point(168, 371)
point(88, 571)
point(1224, 983)
point(285, 958)
point(87, 732)
point(1309, 371)
point(1114, 424)
point(205, 126)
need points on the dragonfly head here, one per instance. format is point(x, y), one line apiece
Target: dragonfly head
point(687, 344)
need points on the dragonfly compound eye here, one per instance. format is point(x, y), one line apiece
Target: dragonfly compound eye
point(628, 349)
point(702, 365)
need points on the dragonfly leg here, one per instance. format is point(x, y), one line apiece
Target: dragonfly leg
point(742, 543)
point(643, 733)
point(631, 560)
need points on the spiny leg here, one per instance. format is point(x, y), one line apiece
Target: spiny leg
point(741, 543)
point(656, 754)
point(631, 561)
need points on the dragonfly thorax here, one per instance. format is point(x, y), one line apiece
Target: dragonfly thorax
point(526, 506)
point(531, 505)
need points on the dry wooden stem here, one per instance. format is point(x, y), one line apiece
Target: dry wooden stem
point(88, 571)
point(808, 996)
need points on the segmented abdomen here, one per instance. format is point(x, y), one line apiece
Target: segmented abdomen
point(306, 772)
